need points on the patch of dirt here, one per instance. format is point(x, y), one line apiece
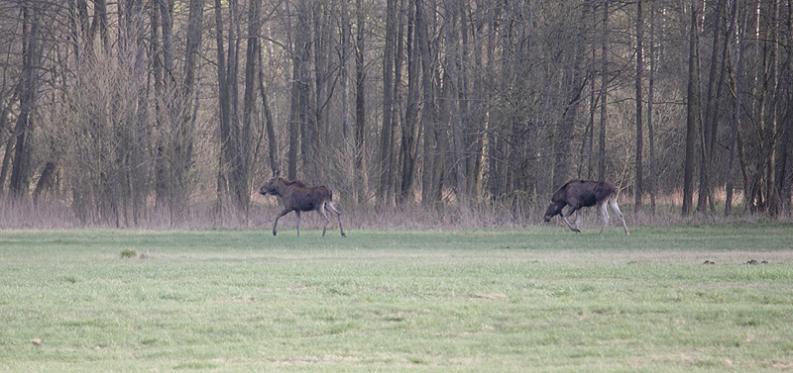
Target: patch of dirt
point(490, 296)
point(784, 365)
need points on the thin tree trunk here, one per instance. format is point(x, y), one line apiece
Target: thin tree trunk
point(735, 123)
point(650, 97)
point(408, 147)
point(388, 102)
point(637, 189)
point(224, 111)
point(295, 36)
point(428, 111)
point(272, 140)
point(360, 104)
point(692, 109)
point(344, 56)
point(603, 85)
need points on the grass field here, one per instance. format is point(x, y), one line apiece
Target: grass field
point(536, 299)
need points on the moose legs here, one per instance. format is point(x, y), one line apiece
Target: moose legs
point(321, 211)
point(572, 211)
point(298, 222)
point(616, 209)
point(280, 214)
point(604, 214)
point(333, 209)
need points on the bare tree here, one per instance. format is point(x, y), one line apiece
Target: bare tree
point(650, 97)
point(692, 109)
point(602, 98)
point(31, 56)
point(637, 189)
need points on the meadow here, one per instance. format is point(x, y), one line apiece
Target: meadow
point(534, 299)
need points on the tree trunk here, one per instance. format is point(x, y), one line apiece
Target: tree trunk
point(182, 134)
point(735, 123)
point(269, 122)
point(31, 53)
point(692, 110)
point(428, 111)
point(408, 144)
point(573, 87)
point(637, 189)
point(360, 104)
point(710, 115)
point(388, 102)
point(603, 85)
point(243, 166)
point(650, 97)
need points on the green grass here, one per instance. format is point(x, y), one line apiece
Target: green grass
point(538, 299)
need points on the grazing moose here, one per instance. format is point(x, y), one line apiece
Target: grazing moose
point(296, 196)
point(585, 193)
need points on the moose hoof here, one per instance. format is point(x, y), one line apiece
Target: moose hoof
point(274, 233)
point(344, 235)
point(576, 230)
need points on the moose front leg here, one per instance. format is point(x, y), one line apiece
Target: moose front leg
point(298, 222)
point(275, 223)
point(565, 216)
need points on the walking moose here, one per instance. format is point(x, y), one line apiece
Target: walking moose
point(296, 196)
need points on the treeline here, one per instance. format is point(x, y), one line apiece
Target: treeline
point(133, 109)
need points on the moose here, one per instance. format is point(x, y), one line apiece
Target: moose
point(585, 193)
point(296, 196)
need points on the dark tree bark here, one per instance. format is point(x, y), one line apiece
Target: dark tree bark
point(182, 135)
point(637, 189)
point(388, 102)
point(603, 85)
point(360, 103)
point(692, 110)
point(31, 55)
point(735, 122)
point(428, 111)
point(652, 179)
point(242, 167)
point(224, 115)
point(345, 33)
point(709, 124)
point(573, 85)
point(409, 135)
point(269, 123)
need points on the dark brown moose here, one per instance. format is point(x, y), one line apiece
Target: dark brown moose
point(585, 193)
point(296, 196)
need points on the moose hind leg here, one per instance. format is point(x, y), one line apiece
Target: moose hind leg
point(604, 216)
point(616, 208)
point(578, 219)
point(321, 211)
point(331, 207)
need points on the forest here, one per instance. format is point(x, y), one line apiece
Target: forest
point(136, 112)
